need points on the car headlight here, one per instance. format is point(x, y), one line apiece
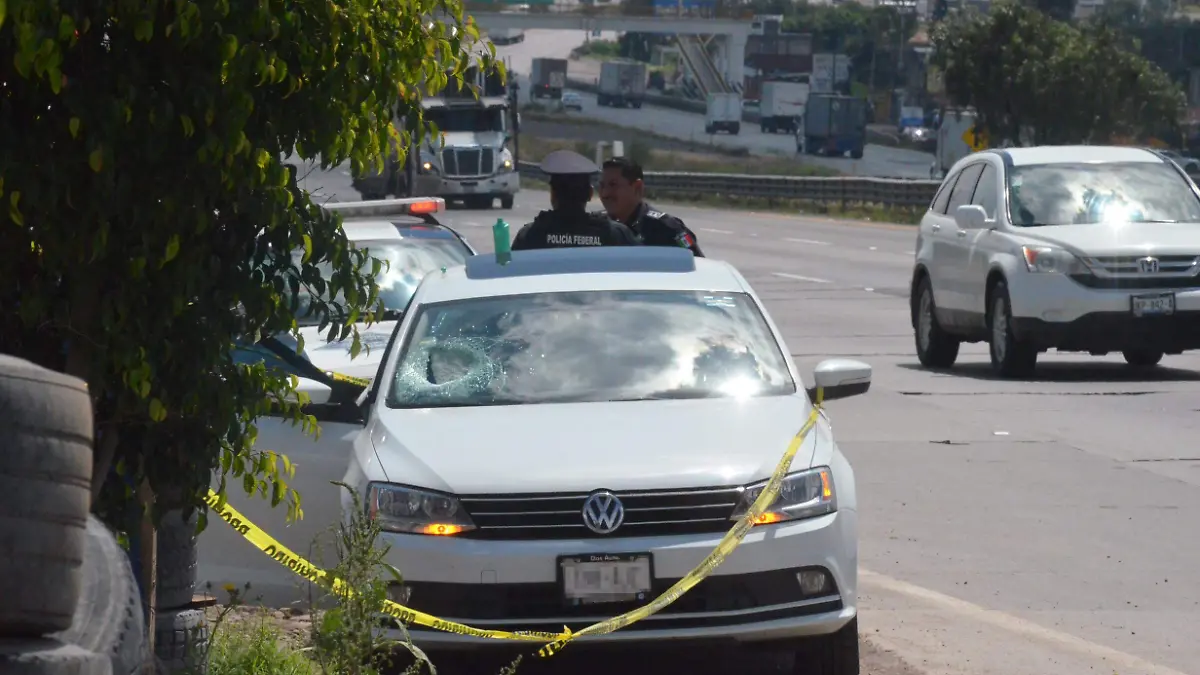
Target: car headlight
point(1050, 259)
point(403, 509)
point(806, 494)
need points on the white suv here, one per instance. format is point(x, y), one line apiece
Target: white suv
point(559, 439)
point(1077, 248)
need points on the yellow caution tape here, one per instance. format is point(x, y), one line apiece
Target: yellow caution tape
point(556, 641)
point(338, 377)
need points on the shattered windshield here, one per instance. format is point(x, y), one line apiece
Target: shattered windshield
point(588, 346)
point(406, 262)
point(1102, 192)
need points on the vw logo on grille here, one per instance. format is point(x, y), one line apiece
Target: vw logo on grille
point(603, 513)
point(1148, 265)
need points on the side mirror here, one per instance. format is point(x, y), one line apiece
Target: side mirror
point(840, 378)
point(318, 393)
point(970, 217)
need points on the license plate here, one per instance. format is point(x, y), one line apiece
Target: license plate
point(605, 577)
point(1153, 305)
point(468, 187)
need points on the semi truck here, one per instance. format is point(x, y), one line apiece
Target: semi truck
point(724, 113)
point(622, 84)
point(470, 160)
point(834, 124)
point(781, 106)
point(547, 79)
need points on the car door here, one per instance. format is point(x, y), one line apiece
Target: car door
point(224, 557)
point(980, 244)
point(952, 261)
point(931, 245)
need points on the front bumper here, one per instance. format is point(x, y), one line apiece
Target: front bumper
point(433, 185)
point(753, 596)
point(1055, 311)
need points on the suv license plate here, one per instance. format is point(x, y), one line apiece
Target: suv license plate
point(605, 577)
point(1153, 305)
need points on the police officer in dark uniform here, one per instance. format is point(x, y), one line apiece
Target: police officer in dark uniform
point(568, 223)
point(621, 191)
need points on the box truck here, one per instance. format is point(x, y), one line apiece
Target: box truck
point(724, 113)
point(834, 125)
point(622, 84)
point(547, 78)
point(781, 106)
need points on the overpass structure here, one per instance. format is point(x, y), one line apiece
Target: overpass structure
point(729, 36)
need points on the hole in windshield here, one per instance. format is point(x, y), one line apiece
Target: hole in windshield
point(588, 346)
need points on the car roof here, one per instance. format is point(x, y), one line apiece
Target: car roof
point(377, 230)
point(582, 269)
point(1074, 154)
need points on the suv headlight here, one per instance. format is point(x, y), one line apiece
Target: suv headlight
point(403, 509)
point(806, 494)
point(1051, 259)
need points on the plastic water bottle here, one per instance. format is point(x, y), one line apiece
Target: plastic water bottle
point(502, 242)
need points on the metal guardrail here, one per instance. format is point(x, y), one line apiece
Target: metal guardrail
point(828, 190)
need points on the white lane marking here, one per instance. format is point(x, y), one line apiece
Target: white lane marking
point(812, 242)
point(471, 223)
point(709, 229)
point(1015, 624)
point(797, 277)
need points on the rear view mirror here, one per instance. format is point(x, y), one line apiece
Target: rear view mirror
point(840, 378)
point(970, 217)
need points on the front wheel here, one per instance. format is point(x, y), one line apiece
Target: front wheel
point(1011, 357)
point(935, 347)
point(1142, 358)
point(835, 654)
point(506, 202)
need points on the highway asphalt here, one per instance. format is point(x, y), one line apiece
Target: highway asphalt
point(1008, 528)
point(877, 160)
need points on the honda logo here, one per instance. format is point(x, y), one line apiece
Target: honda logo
point(603, 513)
point(1148, 265)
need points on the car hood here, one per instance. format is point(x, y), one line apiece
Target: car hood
point(1121, 238)
point(579, 447)
point(335, 356)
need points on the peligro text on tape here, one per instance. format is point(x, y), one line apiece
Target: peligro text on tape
point(555, 641)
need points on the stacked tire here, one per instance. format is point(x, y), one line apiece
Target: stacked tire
point(181, 635)
point(68, 601)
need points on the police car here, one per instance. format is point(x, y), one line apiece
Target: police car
point(405, 234)
point(556, 440)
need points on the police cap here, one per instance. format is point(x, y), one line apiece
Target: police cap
point(568, 163)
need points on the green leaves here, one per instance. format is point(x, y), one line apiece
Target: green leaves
point(1035, 80)
point(162, 136)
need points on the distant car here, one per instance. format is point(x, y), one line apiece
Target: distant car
point(498, 370)
point(1074, 248)
point(1190, 165)
point(572, 101)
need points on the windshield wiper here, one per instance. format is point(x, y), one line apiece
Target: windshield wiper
point(676, 394)
point(391, 315)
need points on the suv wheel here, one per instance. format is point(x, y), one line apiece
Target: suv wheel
point(935, 347)
point(835, 654)
point(1142, 358)
point(1010, 357)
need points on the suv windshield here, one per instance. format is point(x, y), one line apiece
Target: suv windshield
point(1084, 194)
point(406, 262)
point(588, 346)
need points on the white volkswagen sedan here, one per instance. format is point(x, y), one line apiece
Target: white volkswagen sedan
point(1075, 248)
point(557, 440)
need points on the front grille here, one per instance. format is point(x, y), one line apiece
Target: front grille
point(647, 514)
point(737, 595)
point(1125, 273)
point(471, 162)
